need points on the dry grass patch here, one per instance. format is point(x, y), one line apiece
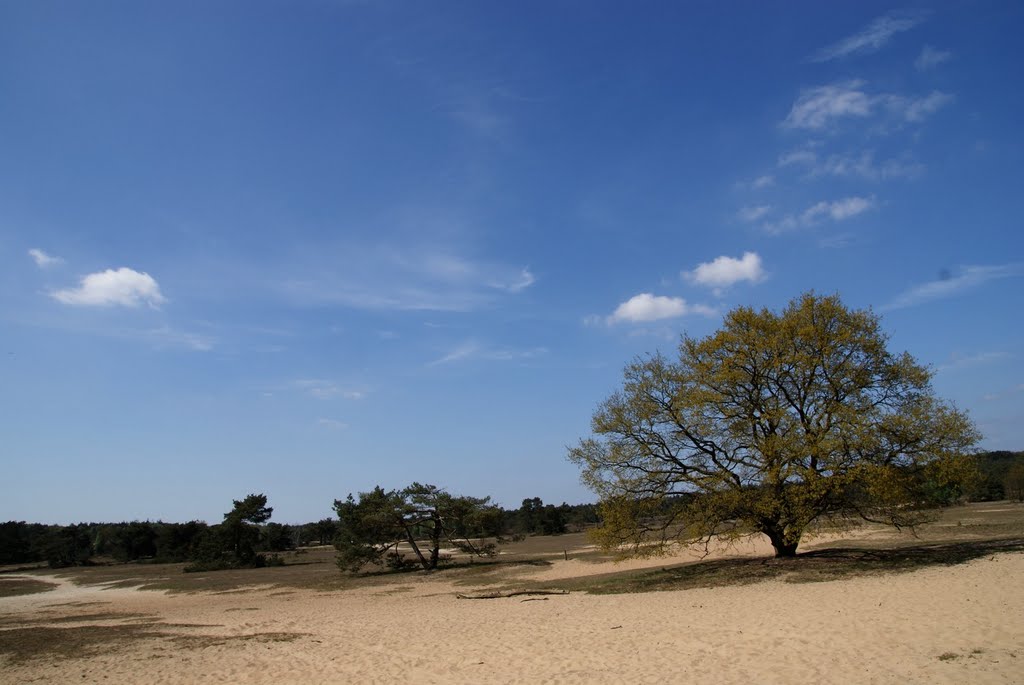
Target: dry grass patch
point(50, 636)
point(32, 643)
point(11, 587)
point(50, 618)
point(20, 645)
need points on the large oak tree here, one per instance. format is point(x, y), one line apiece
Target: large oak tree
point(772, 423)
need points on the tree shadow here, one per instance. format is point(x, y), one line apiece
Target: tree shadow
point(478, 566)
point(908, 558)
point(815, 566)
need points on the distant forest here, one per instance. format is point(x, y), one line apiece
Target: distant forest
point(1000, 476)
point(160, 542)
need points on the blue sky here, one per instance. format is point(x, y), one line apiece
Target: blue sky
point(307, 248)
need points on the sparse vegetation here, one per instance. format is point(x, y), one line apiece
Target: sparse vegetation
point(423, 517)
point(1013, 482)
point(233, 543)
point(10, 587)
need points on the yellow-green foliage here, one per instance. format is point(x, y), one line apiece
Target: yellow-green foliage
point(771, 423)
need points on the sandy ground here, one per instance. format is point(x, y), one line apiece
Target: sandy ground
point(878, 629)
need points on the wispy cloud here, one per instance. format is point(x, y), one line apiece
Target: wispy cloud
point(403, 278)
point(872, 37)
point(981, 358)
point(970, 277)
point(1003, 394)
point(802, 156)
point(862, 165)
point(165, 336)
point(931, 58)
point(114, 287)
point(479, 116)
point(648, 307)
point(332, 424)
point(817, 107)
point(521, 282)
point(484, 111)
point(749, 214)
point(914, 110)
point(472, 349)
point(835, 242)
point(765, 181)
point(822, 106)
point(43, 260)
point(838, 210)
point(725, 271)
point(325, 389)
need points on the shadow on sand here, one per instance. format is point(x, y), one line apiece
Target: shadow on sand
point(814, 566)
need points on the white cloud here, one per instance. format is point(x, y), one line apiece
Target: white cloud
point(763, 182)
point(332, 424)
point(838, 210)
point(43, 260)
point(723, 271)
point(841, 209)
point(817, 107)
point(753, 213)
point(931, 58)
point(970, 277)
point(872, 37)
point(648, 307)
point(124, 287)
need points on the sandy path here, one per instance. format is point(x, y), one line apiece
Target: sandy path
point(882, 629)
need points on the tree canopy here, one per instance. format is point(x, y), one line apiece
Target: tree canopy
point(234, 542)
point(771, 423)
point(423, 517)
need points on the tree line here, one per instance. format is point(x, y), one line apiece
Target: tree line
point(241, 539)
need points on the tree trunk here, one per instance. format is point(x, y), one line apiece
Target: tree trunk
point(435, 542)
point(785, 549)
point(783, 546)
point(416, 548)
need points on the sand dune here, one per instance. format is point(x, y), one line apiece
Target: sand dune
point(937, 625)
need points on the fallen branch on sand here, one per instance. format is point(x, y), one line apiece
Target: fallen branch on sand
point(502, 595)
